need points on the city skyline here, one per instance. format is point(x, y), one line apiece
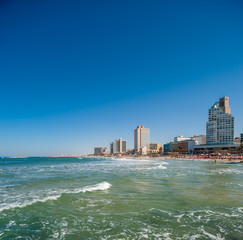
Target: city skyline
point(219, 133)
point(94, 72)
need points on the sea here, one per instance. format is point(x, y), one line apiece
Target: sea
point(116, 198)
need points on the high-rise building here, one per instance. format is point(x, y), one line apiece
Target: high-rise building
point(141, 138)
point(220, 125)
point(241, 138)
point(118, 146)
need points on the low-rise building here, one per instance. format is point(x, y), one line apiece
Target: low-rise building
point(99, 150)
point(143, 150)
point(216, 148)
point(181, 146)
point(201, 139)
point(155, 148)
point(180, 139)
point(169, 147)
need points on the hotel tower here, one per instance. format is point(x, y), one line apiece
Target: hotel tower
point(220, 125)
point(141, 138)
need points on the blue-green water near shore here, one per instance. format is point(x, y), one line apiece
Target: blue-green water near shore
point(80, 198)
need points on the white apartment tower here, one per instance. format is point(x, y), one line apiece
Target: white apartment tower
point(141, 138)
point(220, 125)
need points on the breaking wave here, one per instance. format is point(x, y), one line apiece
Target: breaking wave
point(97, 187)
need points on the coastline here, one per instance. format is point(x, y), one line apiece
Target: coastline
point(209, 158)
point(223, 159)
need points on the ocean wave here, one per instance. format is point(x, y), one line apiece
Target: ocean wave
point(152, 166)
point(211, 236)
point(100, 186)
point(124, 159)
point(27, 203)
point(227, 171)
point(97, 187)
point(160, 167)
point(240, 209)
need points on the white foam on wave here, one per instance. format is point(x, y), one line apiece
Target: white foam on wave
point(26, 203)
point(161, 167)
point(97, 187)
point(100, 186)
point(196, 236)
point(152, 166)
point(167, 236)
point(124, 159)
point(217, 237)
point(165, 163)
point(240, 209)
point(227, 171)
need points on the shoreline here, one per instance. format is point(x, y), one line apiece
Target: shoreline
point(224, 158)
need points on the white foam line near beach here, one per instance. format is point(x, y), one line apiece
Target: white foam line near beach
point(97, 187)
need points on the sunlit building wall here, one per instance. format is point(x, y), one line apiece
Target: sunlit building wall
point(220, 125)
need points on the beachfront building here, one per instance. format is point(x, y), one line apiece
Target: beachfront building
point(220, 125)
point(241, 138)
point(220, 129)
point(141, 138)
point(143, 151)
point(180, 139)
point(99, 150)
point(155, 148)
point(200, 139)
point(185, 146)
point(169, 147)
point(118, 146)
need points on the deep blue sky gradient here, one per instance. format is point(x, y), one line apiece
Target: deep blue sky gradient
point(79, 74)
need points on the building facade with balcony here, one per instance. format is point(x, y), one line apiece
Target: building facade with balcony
point(155, 148)
point(220, 125)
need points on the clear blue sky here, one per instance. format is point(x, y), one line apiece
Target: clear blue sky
point(79, 74)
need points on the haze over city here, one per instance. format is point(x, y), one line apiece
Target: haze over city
point(74, 76)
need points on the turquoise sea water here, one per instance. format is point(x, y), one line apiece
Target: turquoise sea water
point(80, 198)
